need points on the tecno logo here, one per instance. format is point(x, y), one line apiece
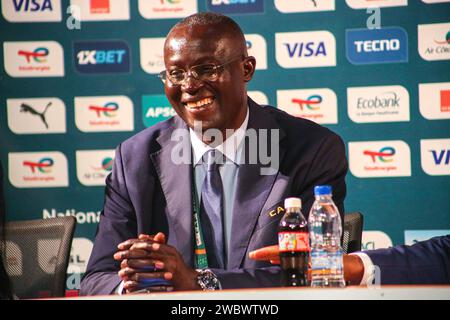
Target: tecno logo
point(434, 100)
point(318, 105)
point(38, 169)
point(93, 166)
point(369, 159)
point(434, 41)
point(33, 59)
point(165, 9)
point(36, 115)
point(104, 114)
point(385, 45)
point(236, 6)
point(101, 10)
point(435, 156)
point(378, 104)
point(31, 10)
point(101, 57)
point(305, 49)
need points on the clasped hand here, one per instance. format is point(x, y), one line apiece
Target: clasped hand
point(149, 257)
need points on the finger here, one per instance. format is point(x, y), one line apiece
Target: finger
point(131, 254)
point(130, 286)
point(143, 264)
point(127, 244)
point(160, 237)
point(276, 261)
point(146, 277)
point(145, 237)
point(266, 253)
point(126, 273)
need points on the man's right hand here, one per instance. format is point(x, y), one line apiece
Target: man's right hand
point(136, 266)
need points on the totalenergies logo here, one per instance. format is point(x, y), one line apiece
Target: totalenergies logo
point(106, 165)
point(384, 155)
point(312, 102)
point(108, 110)
point(44, 165)
point(446, 41)
point(38, 54)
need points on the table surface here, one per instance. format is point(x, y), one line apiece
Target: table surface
point(404, 292)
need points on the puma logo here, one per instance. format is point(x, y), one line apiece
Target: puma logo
point(27, 108)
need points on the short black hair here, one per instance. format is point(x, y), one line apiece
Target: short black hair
point(209, 18)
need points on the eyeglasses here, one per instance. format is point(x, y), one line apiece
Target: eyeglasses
point(202, 72)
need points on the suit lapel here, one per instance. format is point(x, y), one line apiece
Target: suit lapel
point(176, 184)
point(252, 190)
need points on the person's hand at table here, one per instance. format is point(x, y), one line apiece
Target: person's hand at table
point(148, 258)
point(353, 265)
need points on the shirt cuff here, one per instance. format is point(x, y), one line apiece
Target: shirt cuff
point(368, 268)
point(119, 289)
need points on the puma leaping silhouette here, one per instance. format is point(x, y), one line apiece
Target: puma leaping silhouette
point(27, 108)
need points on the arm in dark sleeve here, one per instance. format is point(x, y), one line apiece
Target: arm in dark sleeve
point(117, 223)
point(426, 262)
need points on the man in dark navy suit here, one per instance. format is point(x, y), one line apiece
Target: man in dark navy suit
point(425, 262)
point(194, 222)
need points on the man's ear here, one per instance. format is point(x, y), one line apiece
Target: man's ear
point(249, 68)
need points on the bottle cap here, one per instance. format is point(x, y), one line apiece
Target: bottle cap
point(293, 203)
point(322, 190)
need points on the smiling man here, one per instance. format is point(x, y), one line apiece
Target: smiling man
point(191, 224)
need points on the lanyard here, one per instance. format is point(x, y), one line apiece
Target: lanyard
point(201, 259)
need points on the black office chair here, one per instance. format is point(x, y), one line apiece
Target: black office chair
point(353, 227)
point(37, 256)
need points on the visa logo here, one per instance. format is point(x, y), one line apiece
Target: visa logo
point(100, 56)
point(439, 156)
point(32, 5)
point(307, 49)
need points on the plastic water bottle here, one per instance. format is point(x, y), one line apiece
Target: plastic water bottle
point(325, 230)
point(293, 244)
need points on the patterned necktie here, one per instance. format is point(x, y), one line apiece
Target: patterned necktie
point(211, 211)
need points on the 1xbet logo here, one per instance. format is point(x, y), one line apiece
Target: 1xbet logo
point(102, 57)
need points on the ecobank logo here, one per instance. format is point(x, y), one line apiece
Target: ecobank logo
point(368, 46)
point(156, 108)
point(36, 115)
point(165, 9)
point(318, 105)
point(434, 41)
point(257, 47)
point(236, 6)
point(104, 114)
point(93, 166)
point(363, 4)
point(435, 156)
point(102, 10)
point(38, 169)
point(33, 59)
point(378, 104)
point(151, 54)
point(101, 57)
point(305, 49)
point(31, 10)
point(370, 159)
point(289, 6)
point(434, 100)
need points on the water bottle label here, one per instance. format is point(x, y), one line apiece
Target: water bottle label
point(293, 241)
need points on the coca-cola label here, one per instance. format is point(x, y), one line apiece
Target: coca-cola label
point(293, 241)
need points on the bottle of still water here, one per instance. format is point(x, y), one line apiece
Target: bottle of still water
point(325, 230)
point(293, 244)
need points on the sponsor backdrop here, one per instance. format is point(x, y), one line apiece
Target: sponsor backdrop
point(80, 76)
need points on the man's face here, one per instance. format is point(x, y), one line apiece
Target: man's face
point(219, 104)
